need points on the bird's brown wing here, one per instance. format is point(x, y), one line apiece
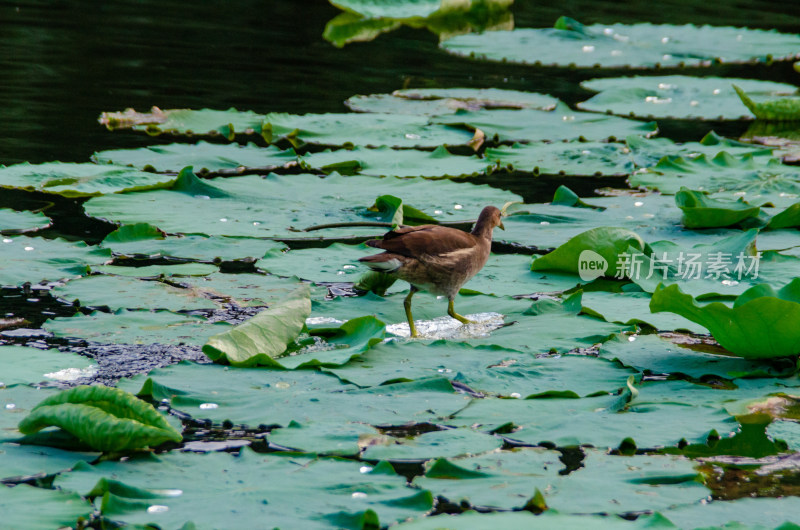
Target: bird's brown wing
point(426, 240)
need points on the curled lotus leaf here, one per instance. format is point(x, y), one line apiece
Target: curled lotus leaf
point(107, 419)
point(701, 211)
point(780, 109)
point(626, 45)
point(763, 323)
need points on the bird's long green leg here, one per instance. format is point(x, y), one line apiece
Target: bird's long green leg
point(407, 305)
point(452, 312)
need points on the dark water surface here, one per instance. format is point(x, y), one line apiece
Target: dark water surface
point(64, 62)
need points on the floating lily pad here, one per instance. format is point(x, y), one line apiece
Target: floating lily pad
point(564, 158)
point(11, 220)
point(363, 21)
point(621, 483)
point(646, 152)
point(186, 122)
point(24, 365)
point(562, 123)
point(16, 401)
point(26, 460)
point(80, 180)
point(472, 520)
point(326, 438)
point(657, 355)
point(121, 292)
point(33, 259)
point(136, 327)
point(759, 325)
point(203, 156)
point(633, 308)
point(145, 239)
point(620, 45)
point(54, 508)
point(180, 270)
point(435, 444)
point(387, 162)
point(677, 96)
point(242, 288)
point(369, 130)
point(722, 173)
point(279, 206)
point(437, 101)
point(743, 513)
point(177, 482)
point(487, 369)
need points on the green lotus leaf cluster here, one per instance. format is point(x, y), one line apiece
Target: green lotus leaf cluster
point(761, 324)
point(106, 419)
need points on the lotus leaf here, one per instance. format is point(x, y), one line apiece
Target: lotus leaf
point(53, 508)
point(173, 272)
point(437, 101)
point(369, 130)
point(755, 514)
point(11, 220)
point(619, 45)
point(632, 308)
point(742, 176)
point(676, 96)
point(388, 162)
point(701, 211)
point(530, 125)
point(136, 327)
point(726, 267)
point(435, 444)
point(121, 292)
point(325, 438)
point(145, 239)
point(186, 122)
point(490, 370)
point(566, 422)
point(178, 483)
point(80, 180)
point(277, 397)
point(619, 484)
point(23, 365)
point(108, 419)
point(564, 158)
point(390, 209)
point(758, 326)
point(783, 109)
point(279, 206)
point(591, 254)
point(32, 259)
point(244, 289)
point(658, 355)
point(472, 520)
point(25, 460)
point(264, 336)
point(15, 402)
point(205, 157)
point(646, 152)
point(363, 21)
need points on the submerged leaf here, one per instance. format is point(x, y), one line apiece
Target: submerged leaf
point(264, 336)
point(107, 419)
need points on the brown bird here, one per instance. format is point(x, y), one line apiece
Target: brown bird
point(435, 258)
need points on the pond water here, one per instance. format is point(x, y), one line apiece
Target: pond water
point(64, 62)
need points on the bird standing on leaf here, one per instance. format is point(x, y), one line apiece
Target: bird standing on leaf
point(435, 258)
